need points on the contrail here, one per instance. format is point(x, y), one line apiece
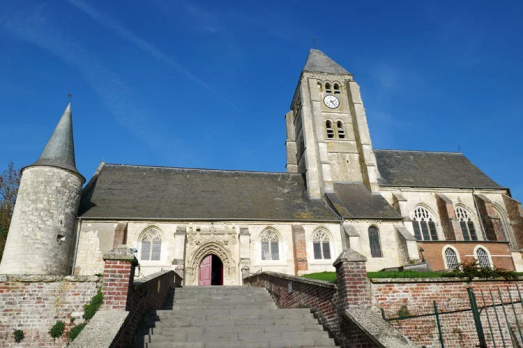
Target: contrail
point(112, 25)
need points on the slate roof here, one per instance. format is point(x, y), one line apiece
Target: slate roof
point(59, 150)
point(430, 169)
point(317, 61)
point(354, 200)
point(144, 192)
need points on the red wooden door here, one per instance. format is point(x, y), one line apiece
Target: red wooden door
point(204, 276)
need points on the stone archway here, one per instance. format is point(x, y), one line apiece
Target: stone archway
point(229, 266)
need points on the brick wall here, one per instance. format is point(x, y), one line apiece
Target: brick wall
point(34, 304)
point(416, 298)
point(499, 251)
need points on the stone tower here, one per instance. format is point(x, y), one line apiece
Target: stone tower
point(328, 137)
point(42, 232)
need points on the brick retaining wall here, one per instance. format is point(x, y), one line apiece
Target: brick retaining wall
point(416, 297)
point(34, 303)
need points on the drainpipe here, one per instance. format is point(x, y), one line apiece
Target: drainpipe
point(479, 215)
point(77, 242)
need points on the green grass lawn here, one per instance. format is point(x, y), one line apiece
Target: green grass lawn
point(331, 276)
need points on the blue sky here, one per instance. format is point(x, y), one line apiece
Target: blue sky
point(207, 84)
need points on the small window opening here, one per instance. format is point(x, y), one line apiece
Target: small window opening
point(320, 89)
point(328, 88)
point(336, 89)
point(60, 238)
point(341, 132)
point(330, 130)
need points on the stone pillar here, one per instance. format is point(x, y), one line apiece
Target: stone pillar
point(299, 248)
point(120, 264)
point(491, 222)
point(353, 285)
point(120, 235)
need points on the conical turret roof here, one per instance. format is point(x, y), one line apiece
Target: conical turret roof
point(59, 151)
point(317, 61)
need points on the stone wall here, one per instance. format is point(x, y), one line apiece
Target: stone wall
point(415, 297)
point(34, 304)
point(43, 224)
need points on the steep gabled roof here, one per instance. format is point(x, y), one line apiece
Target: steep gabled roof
point(59, 151)
point(145, 192)
point(317, 61)
point(430, 169)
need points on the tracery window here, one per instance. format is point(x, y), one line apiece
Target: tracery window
point(270, 249)
point(341, 131)
point(424, 225)
point(451, 258)
point(321, 245)
point(336, 89)
point(483, 258)
point(151, 245)
point(328, 88)
point(467, 226)
point(374, 241)
point(330, 130)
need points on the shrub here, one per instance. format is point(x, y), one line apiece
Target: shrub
point(470, 270)
point(57, 330)
point(75, 331)
point(91, 308)
point(19, 335)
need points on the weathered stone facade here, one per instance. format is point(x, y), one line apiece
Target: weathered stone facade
point(43, 224)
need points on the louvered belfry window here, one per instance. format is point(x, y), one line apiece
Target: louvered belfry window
point(424, 225)
point(467, 226)
point(321, 245)
point(483, 258)
point(270, 249)
point(151, 246)
point(451, 258)
point(374, 241)
point(330, 129)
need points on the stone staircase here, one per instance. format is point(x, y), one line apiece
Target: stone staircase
point(229, 317)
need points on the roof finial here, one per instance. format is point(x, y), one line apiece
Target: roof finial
point(314, 41)
point(459, 148)
point(70, 97)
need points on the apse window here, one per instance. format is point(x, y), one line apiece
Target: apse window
point(451, 258)
point(374, 242)
point(270, 249)
point(151, 245)
point(424, 225)
point(321, 245)
point(483, 258)
point(466, 223)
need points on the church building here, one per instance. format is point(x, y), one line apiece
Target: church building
point(398, 208)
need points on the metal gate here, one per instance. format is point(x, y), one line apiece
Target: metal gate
point(492, 318)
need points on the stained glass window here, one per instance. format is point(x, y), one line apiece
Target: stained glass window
point(424, 225)
point(321, 245)
point(451, 258)
point(270, 245)
point(483, 258)
point(151, 245)
point(467, 226)
point(374, 241)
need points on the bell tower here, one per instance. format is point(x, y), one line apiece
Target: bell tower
point(328, 137)
point(41, 235)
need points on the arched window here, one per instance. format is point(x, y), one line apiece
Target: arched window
point(341, 131)
point(151, 245)
point(321, 245)
point(320, 89)
point(451, 258)
point(336, 89)
point(328, 88)
point(483, 258)
point(424, 225)
point(270, 249)
point(467, 226)
point(330, 130)
point(374, 241)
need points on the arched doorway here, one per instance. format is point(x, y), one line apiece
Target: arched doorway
point(211, 271)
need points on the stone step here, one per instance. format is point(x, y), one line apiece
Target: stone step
point(234, 322)
point(237, 328)
point(238, 344)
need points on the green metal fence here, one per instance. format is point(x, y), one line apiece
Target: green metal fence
point(499, 326)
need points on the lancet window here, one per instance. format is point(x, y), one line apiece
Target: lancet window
point(151, 245)
point(321, 245)
point(424, 225)
point(270, 249)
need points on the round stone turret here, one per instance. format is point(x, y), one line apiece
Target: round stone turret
point(42, 232)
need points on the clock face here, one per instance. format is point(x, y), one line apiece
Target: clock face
point(331, 101)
